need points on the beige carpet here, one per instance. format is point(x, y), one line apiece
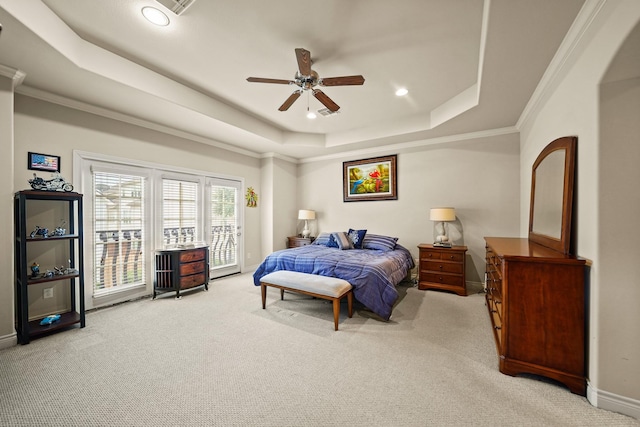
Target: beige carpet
point(217, 359)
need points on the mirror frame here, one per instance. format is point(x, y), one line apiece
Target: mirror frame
point(562, 244)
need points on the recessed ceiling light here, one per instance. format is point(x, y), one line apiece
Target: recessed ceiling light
point(155, 16)
point(402, 92)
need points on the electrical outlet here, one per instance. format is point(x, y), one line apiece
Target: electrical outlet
point(47, 293)
point(248, 255)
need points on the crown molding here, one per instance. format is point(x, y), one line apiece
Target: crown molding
point(415, 144)
point(561, 60)
point(110, 114)
point(16, 76)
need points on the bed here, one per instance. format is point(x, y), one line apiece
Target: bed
point(373, 268)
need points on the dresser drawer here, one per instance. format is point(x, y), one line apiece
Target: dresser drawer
point(446, 267)
point(191, 281)
point(192, 268)
point(194, 255)
point(445, 279)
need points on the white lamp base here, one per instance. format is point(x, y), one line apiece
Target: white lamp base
point(306, 232)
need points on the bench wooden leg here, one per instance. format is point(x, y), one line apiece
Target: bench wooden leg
point(263, 289)
point(282, 294)
point(350, 303)
point(336, 311)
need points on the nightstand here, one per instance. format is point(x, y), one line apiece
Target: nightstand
point(442, 268)
point(295, 241)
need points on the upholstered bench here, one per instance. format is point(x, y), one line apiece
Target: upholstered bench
point(329, 288)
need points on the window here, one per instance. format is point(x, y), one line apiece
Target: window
point(118, 209)
point(179, 211)
point(134, 207)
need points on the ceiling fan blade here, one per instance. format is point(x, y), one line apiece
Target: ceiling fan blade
point(342, 81)
point(290, 100)
point(328, 102)
point(304, 61)
point(262, 80)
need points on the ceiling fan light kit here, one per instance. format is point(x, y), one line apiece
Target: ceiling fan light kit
point(307, 79)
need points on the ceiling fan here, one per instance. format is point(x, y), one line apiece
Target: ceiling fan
point(308, 79)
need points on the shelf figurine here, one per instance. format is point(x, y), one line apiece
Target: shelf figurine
point(57, 183)
point(44, 232)
point(35, 270)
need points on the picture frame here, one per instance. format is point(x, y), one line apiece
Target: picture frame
point(370, 179)
point(43, 162)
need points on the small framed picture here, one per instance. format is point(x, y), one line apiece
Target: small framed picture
point(43, 162)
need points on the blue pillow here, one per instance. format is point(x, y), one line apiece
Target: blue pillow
point(357, 237)
point(380, 243)
point(342, 240)
point(332, 242)
point(322, 239)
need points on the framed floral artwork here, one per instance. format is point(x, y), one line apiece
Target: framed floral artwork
point(370, 179)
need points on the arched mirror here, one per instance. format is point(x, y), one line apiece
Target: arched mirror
point(552, 195)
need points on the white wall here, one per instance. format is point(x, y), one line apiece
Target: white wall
point(279, 205)
point(480, 178)
point(619, 211)
point(572, 108)
point(7, 331)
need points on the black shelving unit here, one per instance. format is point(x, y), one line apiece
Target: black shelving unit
point(72, 274)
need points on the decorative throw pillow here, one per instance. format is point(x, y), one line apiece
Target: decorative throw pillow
point(322, 239)
point(331, 243)
point(357, 237)
point(378, 242)
point(342, 240)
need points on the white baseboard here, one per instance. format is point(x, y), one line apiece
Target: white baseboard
point(613, 402)
point(9, 340)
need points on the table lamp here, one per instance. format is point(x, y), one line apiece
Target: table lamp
point(306, 215)
point(442, 215)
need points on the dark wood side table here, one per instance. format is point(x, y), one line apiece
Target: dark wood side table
point(295, 241)
point(442, 268)
point(178, 269)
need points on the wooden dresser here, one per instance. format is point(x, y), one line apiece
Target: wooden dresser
point(295, 241)
point(178, 269)
point(536, 302)
point(442, 268)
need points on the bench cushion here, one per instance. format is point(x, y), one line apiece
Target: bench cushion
point(321, 285)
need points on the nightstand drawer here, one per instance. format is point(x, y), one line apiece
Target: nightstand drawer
point(438, 266)
point(296, 242)
point(445, 279)
point(443, 254)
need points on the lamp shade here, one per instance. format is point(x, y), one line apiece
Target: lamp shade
point(306, 214)
point(442, 214)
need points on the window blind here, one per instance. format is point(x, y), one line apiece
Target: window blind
point(118, 212)
point(179, 211)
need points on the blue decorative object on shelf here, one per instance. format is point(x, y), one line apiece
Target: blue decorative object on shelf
point(50, 319)
point(35, 270)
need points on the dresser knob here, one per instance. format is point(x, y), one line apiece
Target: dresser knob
point(441, 267)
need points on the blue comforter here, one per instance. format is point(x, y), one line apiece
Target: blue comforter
point(373, 274)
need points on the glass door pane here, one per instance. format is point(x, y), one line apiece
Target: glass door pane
point(225, 227)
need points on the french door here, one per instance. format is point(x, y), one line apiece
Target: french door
point(224, 231)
